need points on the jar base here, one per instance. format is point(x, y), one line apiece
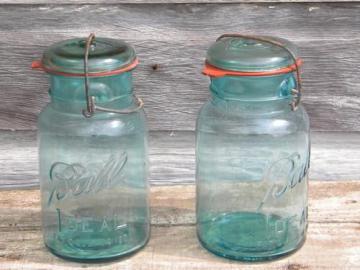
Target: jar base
point(98, 259)
point(247, 236)
point(97, 243)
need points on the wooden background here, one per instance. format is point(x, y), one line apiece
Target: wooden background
point(171, 40)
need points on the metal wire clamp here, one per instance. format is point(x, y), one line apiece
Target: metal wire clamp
point(91, 107)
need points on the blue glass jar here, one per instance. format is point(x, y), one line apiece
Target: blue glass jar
point(93, 152)
point(252, 151)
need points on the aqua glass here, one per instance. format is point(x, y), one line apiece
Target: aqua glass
point(93, 169)
point(252, 152)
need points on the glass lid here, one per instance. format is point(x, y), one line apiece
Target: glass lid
point(105, 55)
point(244, 54)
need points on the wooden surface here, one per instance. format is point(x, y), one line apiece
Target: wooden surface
point(334, 156)
point(333, 240)
point(171, 41)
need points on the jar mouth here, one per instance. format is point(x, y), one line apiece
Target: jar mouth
point(39, 65)
point(213, 71)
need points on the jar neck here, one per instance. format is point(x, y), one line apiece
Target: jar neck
point(242, 107)
point(68, 93)
point(260, 94)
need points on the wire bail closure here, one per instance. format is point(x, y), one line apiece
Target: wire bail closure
point(91, 107)
point(297, 92)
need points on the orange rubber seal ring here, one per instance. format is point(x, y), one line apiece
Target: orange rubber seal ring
point(38, 65)
point(213, 71)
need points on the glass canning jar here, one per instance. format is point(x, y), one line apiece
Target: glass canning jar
point(252, 150)
point(92, 151)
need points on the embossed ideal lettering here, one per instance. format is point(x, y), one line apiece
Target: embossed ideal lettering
point(92, 224)
point(75, 179)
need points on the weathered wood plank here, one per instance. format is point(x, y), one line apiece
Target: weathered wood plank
point(330, 202)
point(332, 241)
point(335, 156)
point(328, 246)
point(171, 41)
point(180, 23)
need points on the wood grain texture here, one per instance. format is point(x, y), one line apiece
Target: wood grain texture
point(171, 41)
point(335, 156)
point(333, 240)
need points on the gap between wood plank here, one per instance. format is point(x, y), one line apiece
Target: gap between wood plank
point(138, 2)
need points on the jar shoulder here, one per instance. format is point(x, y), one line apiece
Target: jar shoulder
point(101, 123)
point(213, 118)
